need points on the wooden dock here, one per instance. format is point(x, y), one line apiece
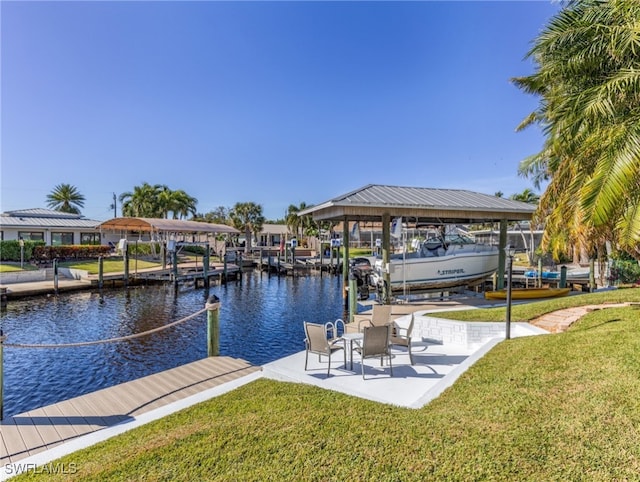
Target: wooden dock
point(41, 429)
point(280, 266)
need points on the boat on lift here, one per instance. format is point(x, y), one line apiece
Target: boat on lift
point(440, 261)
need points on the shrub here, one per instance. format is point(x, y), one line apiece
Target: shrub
point(624, 271)
point(197, 250)
point(10, 249)
point(144, 249)
point(70, 251)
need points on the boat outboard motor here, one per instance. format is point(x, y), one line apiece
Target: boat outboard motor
point(360, 269)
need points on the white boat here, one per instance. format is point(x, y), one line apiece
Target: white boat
point(439, 263)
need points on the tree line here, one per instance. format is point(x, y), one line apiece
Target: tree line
point(159, 201)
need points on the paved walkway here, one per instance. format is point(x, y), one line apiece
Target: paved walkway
point(559, 321)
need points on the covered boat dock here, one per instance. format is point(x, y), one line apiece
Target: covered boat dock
point(382, 203)
point(170, 234)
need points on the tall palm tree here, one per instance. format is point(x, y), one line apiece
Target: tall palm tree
point(65, 198)
point(292, 220)
point(588, 82)
point(165, 200)
point(247, 217)
point(157, 201)
point(142, 202)
point(300, 225)
point(182, 205)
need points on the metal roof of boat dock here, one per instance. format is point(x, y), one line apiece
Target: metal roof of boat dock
point(425, 204)
point(165, 225)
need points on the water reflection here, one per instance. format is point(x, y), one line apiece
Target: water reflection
point(260, 321)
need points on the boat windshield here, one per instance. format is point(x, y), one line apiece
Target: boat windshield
point(458, 239)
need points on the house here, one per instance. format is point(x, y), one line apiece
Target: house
point(272, 234)
point(55, 228)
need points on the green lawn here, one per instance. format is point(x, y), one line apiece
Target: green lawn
point(110, 265)
point(555, 407)
point(11, 268)
point(531, 310)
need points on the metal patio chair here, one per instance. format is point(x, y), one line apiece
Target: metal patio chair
point(402, 337)
point(374, 344)
point(316, 342)
point(380, 315)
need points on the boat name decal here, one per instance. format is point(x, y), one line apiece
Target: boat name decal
point(443, 272)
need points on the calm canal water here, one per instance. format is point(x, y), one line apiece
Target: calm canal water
point(260, 320)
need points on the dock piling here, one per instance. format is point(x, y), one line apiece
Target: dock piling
point(352, 297)
point(55, 275)
point(205, 266)
point(125, 257)
point(100, 272)
point(213, 325)
point(174, 267)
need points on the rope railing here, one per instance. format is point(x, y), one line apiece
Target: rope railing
point(109, 340)
point(212, 307)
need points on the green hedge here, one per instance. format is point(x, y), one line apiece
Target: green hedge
point(70, 251)
point(624, 271)
point(10, 249)
point(144, 249)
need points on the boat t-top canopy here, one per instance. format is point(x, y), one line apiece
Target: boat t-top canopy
point(160, 225)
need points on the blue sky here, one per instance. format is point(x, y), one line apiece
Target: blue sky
point(276, 103)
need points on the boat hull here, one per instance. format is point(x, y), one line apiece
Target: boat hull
point(439, 272)
point(527, 293)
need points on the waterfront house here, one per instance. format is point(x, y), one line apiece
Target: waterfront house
point(55, 228)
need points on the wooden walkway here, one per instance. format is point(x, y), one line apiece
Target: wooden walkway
point(31, 432)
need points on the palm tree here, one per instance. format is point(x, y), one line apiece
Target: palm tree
point(65, 198)
point(143, 202)
point(526, 196)
point(588, 82)
point(182, 204)
point(157, 201)
point(178, 203)
point(291, 218)
point(300, 225)
point(165, 200)
point(247, 217)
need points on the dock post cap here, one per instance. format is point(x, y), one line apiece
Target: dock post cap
point(213, 303)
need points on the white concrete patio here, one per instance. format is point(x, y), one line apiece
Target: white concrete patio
point(437, 364)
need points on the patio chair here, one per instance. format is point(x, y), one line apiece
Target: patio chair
point(380, 315)
point(402, 337)
point(375, 343)
point(316, 342)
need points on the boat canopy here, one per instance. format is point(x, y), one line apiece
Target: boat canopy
point(161, 225)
